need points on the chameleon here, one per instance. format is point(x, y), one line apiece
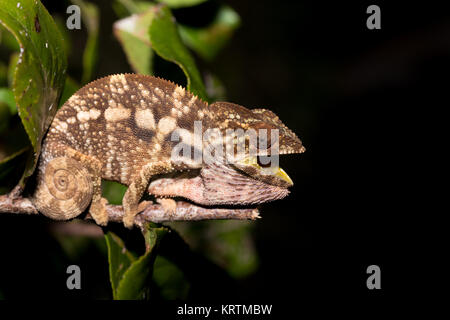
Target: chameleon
point(122, 128)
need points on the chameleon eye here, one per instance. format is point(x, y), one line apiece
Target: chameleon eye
point(263, 161)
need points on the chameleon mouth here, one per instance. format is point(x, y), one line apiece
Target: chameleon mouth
point(270, 174)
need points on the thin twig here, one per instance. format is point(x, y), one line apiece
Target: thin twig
point(149, 212)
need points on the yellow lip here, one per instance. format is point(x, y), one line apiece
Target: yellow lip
point(283, 175)
point(278, 172)
point(273, 171)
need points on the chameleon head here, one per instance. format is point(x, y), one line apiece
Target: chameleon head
point(64, 189)
point(242, 179)
point(254, 140)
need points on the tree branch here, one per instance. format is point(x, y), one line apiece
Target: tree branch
point(149, 212)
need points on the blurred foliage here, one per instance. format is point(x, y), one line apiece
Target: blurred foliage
point(181, 3)
point(90, 18)
point(167, 43)
point(208, 41)
point(227, 243)
point(40, 70)
point(170, 280)
point(33, 83)
point(132, 32)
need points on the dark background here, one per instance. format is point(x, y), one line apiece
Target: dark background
point(353, 96)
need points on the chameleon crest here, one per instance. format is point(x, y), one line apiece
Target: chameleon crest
point(127, 127)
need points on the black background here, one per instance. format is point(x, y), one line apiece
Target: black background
point(360, 100)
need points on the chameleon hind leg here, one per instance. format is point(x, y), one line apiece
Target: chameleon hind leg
point(97, 208)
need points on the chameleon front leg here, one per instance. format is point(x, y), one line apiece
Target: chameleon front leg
point(136, 189)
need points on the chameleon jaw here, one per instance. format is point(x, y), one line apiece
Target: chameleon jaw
point(218, 185)
point(272, 175)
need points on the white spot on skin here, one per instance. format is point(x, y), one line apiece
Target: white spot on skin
point(159, 92)
point(94, 113)
point(186, 109)
point(112, 88)
point(117, 114)
point(71, 120)
point(112, 103)
point(145, 93)
point(178, 93)
point(83, 116)
point(177, 103)
point(118, 78)
point(167, 125)
point(145, 119)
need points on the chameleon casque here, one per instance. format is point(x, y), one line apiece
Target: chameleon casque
point(119, 128)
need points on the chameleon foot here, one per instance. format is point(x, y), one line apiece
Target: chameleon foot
point(98, 212)
point(169, 205)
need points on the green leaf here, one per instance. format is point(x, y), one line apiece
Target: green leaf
point(132, 33)
point(13, 59)
point(181, 3)
point(167, 43)
point(135, 283)
point(90, 18)
point(119, 259)
point(207, 42)
point(7, 97)
point(40, 71)
point(8, 40)
point(130, 276)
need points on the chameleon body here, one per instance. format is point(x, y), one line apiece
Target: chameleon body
point(121, 128)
